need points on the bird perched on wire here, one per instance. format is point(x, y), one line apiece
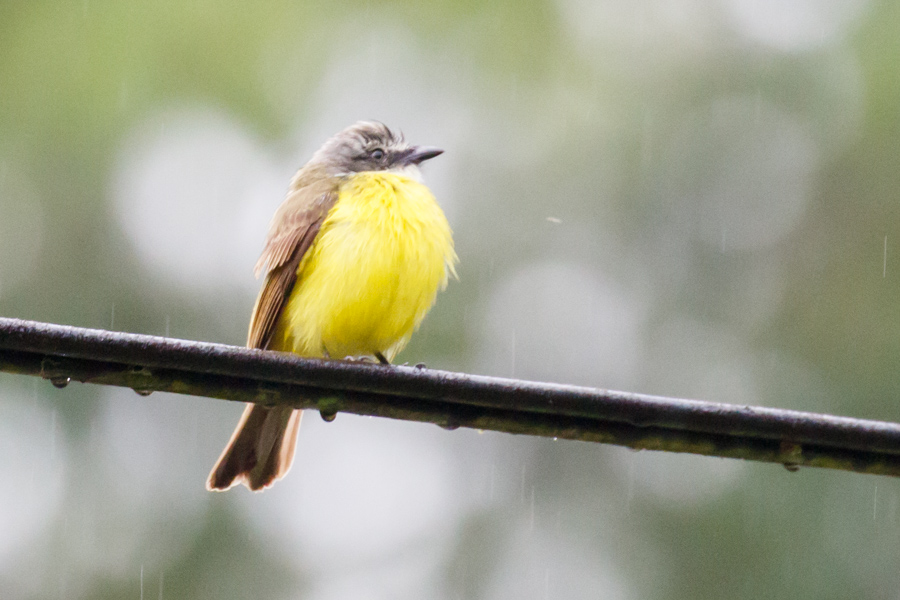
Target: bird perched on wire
point(353, 260)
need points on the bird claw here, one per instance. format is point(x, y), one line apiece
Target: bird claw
point(361, 359)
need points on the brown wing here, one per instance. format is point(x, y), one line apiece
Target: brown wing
point(294, 227)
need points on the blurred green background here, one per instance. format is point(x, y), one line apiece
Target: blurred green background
point(690, 198)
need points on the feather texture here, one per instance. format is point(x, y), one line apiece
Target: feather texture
point(354, 259)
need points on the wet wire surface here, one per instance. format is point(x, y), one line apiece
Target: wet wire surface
point(62, 354)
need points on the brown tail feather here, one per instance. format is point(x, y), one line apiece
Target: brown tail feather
point(261, 449)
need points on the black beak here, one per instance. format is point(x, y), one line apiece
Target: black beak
point(418, 154)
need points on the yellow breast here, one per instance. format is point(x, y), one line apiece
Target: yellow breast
point(381, 255)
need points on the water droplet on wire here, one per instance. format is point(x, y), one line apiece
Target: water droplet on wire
point(60, 382)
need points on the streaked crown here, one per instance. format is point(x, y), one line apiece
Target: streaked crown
point(370, 146)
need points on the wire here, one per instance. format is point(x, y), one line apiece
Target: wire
point(148, 363)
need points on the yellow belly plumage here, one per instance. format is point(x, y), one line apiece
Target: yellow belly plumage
point(382, 254)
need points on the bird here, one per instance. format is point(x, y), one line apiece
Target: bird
point(353, 260)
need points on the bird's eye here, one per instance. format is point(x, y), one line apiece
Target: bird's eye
point(377, 154)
